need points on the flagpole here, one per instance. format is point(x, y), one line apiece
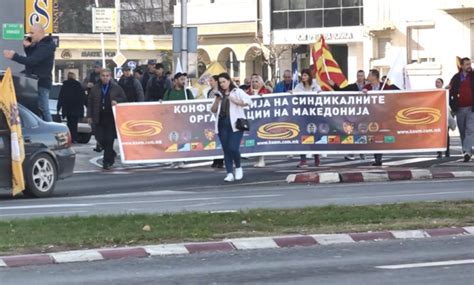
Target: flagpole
point(384, 82)
point(325, 67)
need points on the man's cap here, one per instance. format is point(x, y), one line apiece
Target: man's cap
point(125, 68)
point(97, 64)
point(179, 74)
point(151, 61)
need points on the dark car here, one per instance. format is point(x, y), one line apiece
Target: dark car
point(48, 154)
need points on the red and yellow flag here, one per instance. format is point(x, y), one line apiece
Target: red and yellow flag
point(9, 107)
point(458, 63)
point(326, 67)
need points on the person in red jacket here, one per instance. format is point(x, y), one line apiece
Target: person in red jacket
point(461, 99)
point(374, 84)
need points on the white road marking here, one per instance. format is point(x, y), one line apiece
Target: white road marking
point(134, 202)
point(45, 206)
point(427, 264)
point(223, 211)
point(407, 161)
point(345, 163)
point(2, 263)
point(185, 200)
point(42, 213)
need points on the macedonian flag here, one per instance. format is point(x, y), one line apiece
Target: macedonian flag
point(326, 67)
point(9, 107)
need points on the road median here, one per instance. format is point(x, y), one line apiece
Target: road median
point(54, 234)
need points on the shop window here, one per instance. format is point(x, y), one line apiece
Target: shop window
point(280, 5)
point(280, 20)
point(332, 3)
point(297, 4)
point(332, 18)
point(297, 20)
point(351, 3)
point(314, 4)
point(314, 19)
point(350, 17)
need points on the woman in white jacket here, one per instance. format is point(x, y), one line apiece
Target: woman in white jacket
point(307, 84)
point(229, 106)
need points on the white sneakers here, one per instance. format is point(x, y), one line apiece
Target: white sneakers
point(229, 177)
point(239, 174)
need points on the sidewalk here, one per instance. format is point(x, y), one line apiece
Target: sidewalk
point(225, 245)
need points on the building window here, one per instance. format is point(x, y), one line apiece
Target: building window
point(300, 14)
point(382, 46)
point(421, 45)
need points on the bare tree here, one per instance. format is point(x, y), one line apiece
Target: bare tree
point(147, 16)
point(272, 53)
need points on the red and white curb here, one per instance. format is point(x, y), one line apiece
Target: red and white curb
point(225, 245)
point(373, 176)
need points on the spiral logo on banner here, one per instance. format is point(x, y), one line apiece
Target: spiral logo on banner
point(418, 116)
point(141, 128)
point(278, 131)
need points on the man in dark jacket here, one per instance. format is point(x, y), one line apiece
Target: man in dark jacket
point(356, 86)
point(94, 77)
point(157, 85)
point(99, 113)
point(461, 101)
point(149, 73)
point(131, 86)
point(39, 61)
point(71, 101)
point(375, 84)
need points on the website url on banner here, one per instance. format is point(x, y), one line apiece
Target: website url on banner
point(414, 132)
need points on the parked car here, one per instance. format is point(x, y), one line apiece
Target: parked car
point(84, 130)
point(48, 154)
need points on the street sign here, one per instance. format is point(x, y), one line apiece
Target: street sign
point(104, 20)
point(13, 32)
point(119, 59)
point(118, 72)
point(132, 64)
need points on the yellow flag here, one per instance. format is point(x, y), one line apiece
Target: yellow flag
point(214, 69)
point(9, 107)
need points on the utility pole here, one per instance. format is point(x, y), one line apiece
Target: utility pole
point(184, 35)
point(102, 42)
point(117, 31)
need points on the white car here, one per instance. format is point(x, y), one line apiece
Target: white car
point(84, 130)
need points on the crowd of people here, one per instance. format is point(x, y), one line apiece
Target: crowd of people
point(99, 92)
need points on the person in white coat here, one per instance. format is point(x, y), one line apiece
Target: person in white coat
point(229, 105)
point(307, 84)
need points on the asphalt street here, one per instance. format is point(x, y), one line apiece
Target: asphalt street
point(427, 261)
point(236, 197)
point(160, 188)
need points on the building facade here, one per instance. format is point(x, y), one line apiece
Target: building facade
point(228, 32)
point(146, 27)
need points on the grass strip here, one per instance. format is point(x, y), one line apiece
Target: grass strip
point(60, 233)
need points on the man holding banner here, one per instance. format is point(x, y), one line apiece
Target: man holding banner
point(375, 85)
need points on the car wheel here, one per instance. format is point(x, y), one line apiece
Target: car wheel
point(41, 176)
point(84, 137)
